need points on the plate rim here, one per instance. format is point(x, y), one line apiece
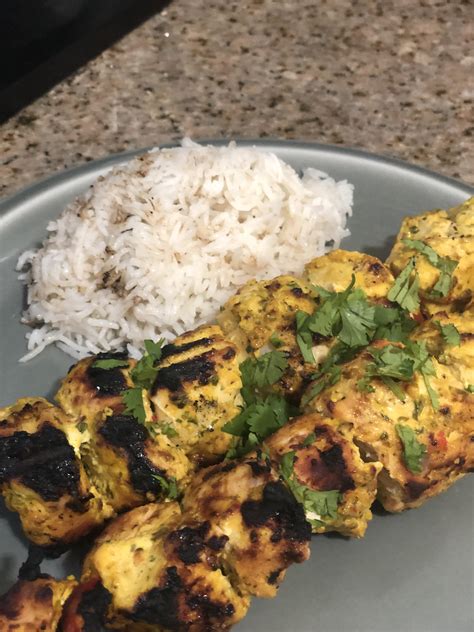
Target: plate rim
point(9, 202)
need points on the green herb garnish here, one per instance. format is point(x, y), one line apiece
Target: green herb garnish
point(404, 291)
point(470, 388)
point(145, 371)
point(168, 485)
point(168, 430)
point(133, 400)
point(109, 363)
point(265, 411)
point(445, 265)
point(323, 504)
point(392, 364)
point(276, 341)
point(449, 333)
point(413, 450)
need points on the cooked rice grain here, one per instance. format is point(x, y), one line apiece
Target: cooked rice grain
point(159, 244)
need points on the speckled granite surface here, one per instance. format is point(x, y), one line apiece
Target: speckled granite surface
point(393, 77)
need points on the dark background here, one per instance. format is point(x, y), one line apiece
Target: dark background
point(43, 41)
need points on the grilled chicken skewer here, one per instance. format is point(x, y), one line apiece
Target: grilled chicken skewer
point(331, 433)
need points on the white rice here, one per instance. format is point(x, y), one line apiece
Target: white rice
point(158, 245)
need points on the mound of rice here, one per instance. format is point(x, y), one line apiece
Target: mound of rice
point(158, 245)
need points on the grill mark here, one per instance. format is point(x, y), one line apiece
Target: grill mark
point(126, 433)
point(172, 377)
point(210, 611)
point(93, 607)
point(278, 504)
point(159, 606)
point(172, 349)
point(43, 461)
point(107, 382)
point(189, 542)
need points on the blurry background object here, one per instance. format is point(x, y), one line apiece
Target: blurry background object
point(43, 41)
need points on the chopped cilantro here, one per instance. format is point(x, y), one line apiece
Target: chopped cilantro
point(259, 373)
point(265, 411)
point(109, 363)
point(168, 485)
point(445, 265)
point(393, 324)
point(257, 421)
point(404, 291)
point(323, 504)
point(450, 334)
point(391, 363)
point(133, 399)
point(276, 341)
point(470, 388)
point(413, 450)
point(310, 439)
point(347, 315)
point(168, 430)
point(145, 371)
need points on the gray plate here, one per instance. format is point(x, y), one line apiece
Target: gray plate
point(412, 571)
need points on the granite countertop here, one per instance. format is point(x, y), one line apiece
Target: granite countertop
point(390, 77)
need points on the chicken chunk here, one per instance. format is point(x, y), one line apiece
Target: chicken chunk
point(261, 316)
point(423, 450)
point(319, 457)
point(163, 573)
point(196, 391)
point(194, 568)
point(451, 235)
point(42, 477)
point(334, 273)
point(88, 391)
point(30, 606)
point(126, 460)
point(261, 525)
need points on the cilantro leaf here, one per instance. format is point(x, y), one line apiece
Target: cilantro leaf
point(259, 420)
point(310, 439)
point(404, 291)
point(109, 363)
point(133, 399)
point(445, 265)
point(304, 337)
point(145, 371)
point(323, 504)
point(470, 388)
point(413, 450)
point(393, 324)
point(258, 374)
point(392, 363)
point(348, 315)
point(168, 485)
point(450, 334)
point(168, 430)
point(276, 341)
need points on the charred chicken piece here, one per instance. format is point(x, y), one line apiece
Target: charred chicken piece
point(320, 460)
point(126, 460)
point(261, 315)
point(334, 273)
point(423, 450)
point(42, 477)
point(30, 606)
point(450, 234)
point(160, 567)
point(88, 391)
point(196, 391)
point(251, 510)
point(162, 572)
